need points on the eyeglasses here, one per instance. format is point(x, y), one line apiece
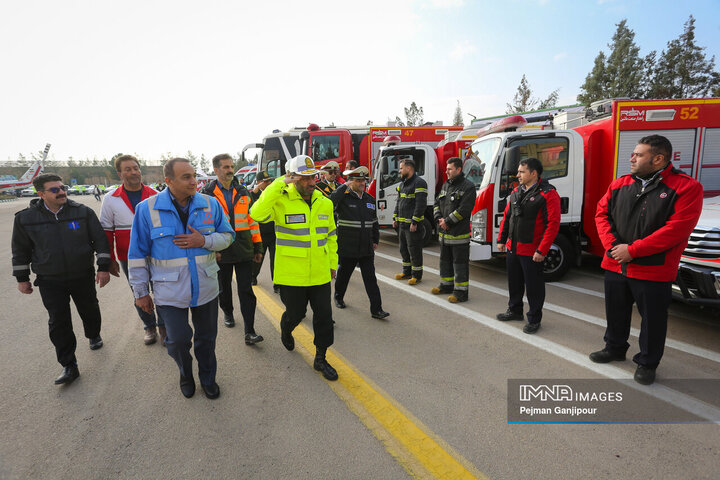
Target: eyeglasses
point(57, 190)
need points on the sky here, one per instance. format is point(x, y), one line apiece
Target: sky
point(152, 77)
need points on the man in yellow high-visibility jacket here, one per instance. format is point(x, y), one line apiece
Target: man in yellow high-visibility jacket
point(305, 253)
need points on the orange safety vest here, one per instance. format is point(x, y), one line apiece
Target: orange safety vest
point(241, 209)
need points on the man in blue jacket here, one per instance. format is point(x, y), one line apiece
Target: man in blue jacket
point(172, 244)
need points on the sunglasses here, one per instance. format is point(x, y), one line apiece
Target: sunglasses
point(57, 190)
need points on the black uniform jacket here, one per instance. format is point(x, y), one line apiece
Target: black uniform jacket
point(455, 203)
point(412, 201)
point(357, 224)
point(58, 247)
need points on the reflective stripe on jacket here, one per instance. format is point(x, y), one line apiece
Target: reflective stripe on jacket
point(455, 203)
point(306, 239)
point(412, 201)
point(180, 277)
point(248, 240)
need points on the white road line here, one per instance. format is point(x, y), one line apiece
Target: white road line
point(678, 399)
point(675, 344)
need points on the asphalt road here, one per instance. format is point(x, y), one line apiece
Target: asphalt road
point(422, 394)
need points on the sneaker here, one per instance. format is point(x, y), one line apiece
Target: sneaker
point(321, 365)
point(531, 328)
point(150, 336)
point(253, 338)
point(509, 315)
point(402, 276)
point(96, 343)
point(607, 356)
point(414, 281)
point(440, 289)
point(644, 375)
point(457, 299)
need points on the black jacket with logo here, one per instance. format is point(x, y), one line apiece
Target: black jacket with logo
point(357, 223)
point(58, 246)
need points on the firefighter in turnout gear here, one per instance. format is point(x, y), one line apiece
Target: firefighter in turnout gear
point(329, 182)
point(358, 237)
point(305, 253)
point(452, 214)
point(409, 219)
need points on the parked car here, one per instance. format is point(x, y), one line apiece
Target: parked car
point(28, 192)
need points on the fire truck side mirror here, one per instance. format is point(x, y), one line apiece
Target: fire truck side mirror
point(512, 161)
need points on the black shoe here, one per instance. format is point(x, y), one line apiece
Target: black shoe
point(606, 356)
point(531, 328)
point(380, 314)
point(321, 365)
point(229, 321)
point(96, 343)
point(253, 338)
point(254, 281)
point(644, 375)
point(211, 391)
point(276, 289)
point(509, 315)
point(340, 303)
point(69, 374)
point(287, 339)
point(187, 386)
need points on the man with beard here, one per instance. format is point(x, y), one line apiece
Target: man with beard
point(58, 237)
point(409, 219)
point(116, 217)
point(306, 253)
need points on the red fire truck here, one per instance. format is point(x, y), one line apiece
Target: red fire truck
point(582, 162)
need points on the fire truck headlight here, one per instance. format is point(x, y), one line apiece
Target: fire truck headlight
point(479, 224)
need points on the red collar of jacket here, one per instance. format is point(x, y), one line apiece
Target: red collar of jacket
point(120, 192)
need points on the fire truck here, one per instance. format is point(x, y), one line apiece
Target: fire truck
point(430, 154)
point(581, 162)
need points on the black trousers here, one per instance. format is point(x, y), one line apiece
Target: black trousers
point(257, 266)
point(411, 245)
point(248, 301)
point(525, 276)
point(296, 300)
point(455, 269)
point(56, 296)
point(652, 300)
point(346, 266)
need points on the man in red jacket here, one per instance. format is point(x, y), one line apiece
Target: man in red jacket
point(644, 222)
point(116, 217)
point(529, 226)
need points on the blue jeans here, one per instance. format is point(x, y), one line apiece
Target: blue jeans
point(147, 318)
point(180, 338)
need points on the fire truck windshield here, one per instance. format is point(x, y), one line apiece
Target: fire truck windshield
point(481, 154)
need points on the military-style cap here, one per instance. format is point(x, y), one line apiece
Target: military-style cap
point(331, 165)
point(263, 176)
point(357, 173)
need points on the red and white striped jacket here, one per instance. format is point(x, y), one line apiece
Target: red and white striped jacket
point(116, 218)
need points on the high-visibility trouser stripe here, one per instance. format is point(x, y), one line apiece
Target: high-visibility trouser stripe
point(322, 229)
point(418, 219)
point(421, 190)
point(292, 243)
point(462, 286)
point(406, 264)
point(21, 267)
point(417, 269)
point(322, 242)
point(292, 231)
point(103, 255)
point(407, 195)
point(447, 281)
point(456, 216)
point(154, 214)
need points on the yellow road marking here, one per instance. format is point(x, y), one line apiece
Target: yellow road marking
point(422, 453)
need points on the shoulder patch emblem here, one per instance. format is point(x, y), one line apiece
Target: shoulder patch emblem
point(663, 195)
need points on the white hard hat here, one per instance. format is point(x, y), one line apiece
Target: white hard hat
point(301, 165)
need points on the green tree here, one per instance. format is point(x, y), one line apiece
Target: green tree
point(596, 82)
point(399, 122)
point(457, 118)
point(551, 100)
point(205, 164)
point(414, 115)
point(523, 101)
point(683, 71)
